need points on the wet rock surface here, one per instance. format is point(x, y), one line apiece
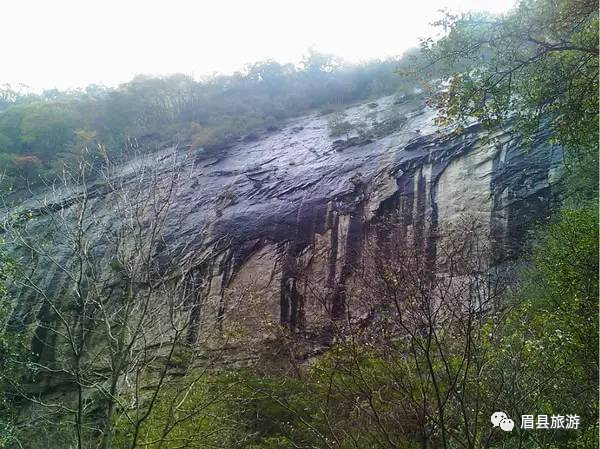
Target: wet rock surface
point(286, 211)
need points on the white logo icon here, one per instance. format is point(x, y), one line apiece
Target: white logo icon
point(497, 417)
point(502, 420)
point(507, 424)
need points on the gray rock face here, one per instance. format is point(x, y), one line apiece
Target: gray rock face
point(283, 215)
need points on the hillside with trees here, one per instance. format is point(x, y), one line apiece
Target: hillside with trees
point(439, 339)
point(41, 132)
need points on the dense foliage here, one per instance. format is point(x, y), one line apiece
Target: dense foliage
point(38, 133)
point(537, 65)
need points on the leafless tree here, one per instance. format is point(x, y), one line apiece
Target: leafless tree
point(416, 342)
point(115, 300)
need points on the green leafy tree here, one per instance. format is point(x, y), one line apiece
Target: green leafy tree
point(548, 350)
point(537, 65)
point(47, 128)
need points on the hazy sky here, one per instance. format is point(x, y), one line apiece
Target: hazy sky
point(72, 43)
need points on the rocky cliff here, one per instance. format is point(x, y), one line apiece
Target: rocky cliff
point(273, 225)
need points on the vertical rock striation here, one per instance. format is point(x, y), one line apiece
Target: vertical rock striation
point(273, 228)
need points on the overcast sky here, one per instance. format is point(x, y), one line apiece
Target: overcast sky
point(73, 43)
